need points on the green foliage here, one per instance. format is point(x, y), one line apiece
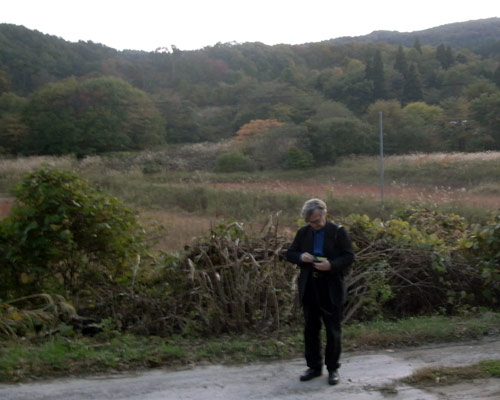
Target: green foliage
point(334, 137)
point(64, 235)
point(298, 158)
point(408, 266)
point(485, 111)
point(412, 90)
point(482, 247)
point(93, 116)
point(270, 150)
point(12, 128)
point(450, 228)
point(208, 94)
point(233, 161)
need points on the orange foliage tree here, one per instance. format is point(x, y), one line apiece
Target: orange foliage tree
point(255, 129)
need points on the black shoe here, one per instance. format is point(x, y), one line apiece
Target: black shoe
point(310, 374)
point(333, 377)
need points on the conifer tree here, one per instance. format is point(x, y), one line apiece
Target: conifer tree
point(401, 64)
point(412, 90)
point(377, 76)
point(445, 56)
point(417, 46)
point(496, 76)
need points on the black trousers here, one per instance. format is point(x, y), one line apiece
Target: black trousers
point(318, 307)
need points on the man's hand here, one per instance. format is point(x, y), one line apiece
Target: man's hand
point(323, 265)
point(307, 257)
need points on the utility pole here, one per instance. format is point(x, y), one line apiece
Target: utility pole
point(381, 136)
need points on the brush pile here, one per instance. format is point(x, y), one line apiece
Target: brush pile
point(241, 283)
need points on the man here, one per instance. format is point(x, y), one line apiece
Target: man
point(323, 251)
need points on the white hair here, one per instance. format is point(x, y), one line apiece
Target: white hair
point(312, 205)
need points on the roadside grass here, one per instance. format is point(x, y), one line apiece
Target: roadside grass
point(109, 352)
point(446, 375)
point(414, 331)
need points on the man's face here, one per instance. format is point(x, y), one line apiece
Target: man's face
point(317, 220)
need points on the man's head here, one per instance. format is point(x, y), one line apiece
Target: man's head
point(314, 213)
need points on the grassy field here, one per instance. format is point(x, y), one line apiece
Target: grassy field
point(167, 190)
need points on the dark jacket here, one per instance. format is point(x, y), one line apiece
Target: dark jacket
point(337, 249)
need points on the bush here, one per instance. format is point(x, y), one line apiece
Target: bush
point(64, 235)
point(233, 161)
point(482, 248)
point(299, 159)
point(409, 267)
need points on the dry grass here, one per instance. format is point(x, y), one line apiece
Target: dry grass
point(5, 206)
point(177, 229)
point(22, 165)
point(436, 376)
point(445, 158)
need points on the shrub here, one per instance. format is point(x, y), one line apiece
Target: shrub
point(482, 248)
point(65, 235)
point(233, 161)
point(299, 159)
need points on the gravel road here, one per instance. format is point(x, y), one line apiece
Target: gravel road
point(368, 375)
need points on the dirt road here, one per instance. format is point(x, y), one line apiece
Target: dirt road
point(368, 375)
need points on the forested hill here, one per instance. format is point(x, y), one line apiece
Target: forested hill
point(320, 98)
point(474, 35)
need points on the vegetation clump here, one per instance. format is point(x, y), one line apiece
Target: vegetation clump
point(65, 236)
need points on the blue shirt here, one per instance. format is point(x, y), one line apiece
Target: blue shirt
point(319, 240)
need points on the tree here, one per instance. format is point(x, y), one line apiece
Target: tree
point(12, 128)
point(401, 64)
point(417, 46)
point(298, 158)
point(428, 113)
point(353, 89)
point(334, 137)
point(272, 149)
point(182, 120)
point(93, 116)
point(233, 161)
point(485, 111)
point(375, 73)
point(64, 235)
point(445, 56)
point(496, 76)
point(412, 90)
point(255, 129)
point(4, 82)
point(404, 131)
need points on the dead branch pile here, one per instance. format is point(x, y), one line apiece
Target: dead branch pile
point(241, 283)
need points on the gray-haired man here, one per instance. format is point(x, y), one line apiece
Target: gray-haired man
point(323, 251)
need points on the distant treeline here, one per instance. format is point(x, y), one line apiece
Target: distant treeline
point(318, 101)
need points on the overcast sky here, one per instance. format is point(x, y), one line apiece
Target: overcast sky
point(193, 24)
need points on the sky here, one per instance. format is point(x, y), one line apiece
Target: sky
point(194, 24)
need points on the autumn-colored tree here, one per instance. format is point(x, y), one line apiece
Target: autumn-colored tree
point(256, 128)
